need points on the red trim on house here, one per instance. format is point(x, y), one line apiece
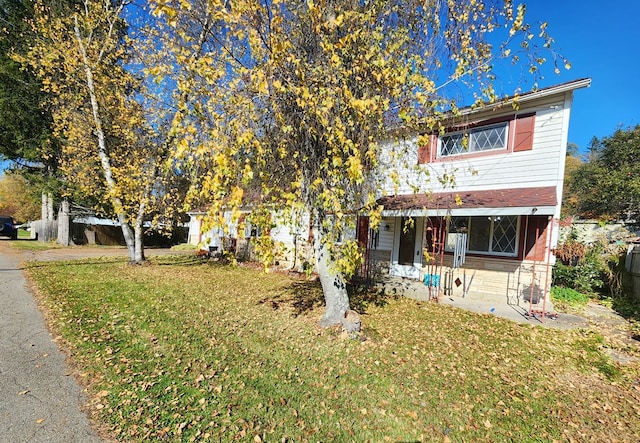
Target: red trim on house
point(486, 122)
point(521, 128)
point(363, 231)
point(471, 155)
point(426, 151)
point(435, 230)
point(527, 241)
point(491, 199)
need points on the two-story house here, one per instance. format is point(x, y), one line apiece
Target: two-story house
point(485, 221)
point(473, 208)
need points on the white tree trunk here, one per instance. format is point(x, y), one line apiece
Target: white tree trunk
point(129, 238)
point(64, 224)
point(46, 228)
point(50, 214)
point(43, 208)
point(102, 151)
point(139, 244)
point(333, 284)
point(47, 207)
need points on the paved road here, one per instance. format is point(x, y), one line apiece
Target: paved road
point(40, 400)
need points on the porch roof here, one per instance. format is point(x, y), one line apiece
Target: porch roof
point(520, 201)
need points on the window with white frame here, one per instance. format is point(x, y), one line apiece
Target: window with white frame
point(485, 138)
point(251, 230)
point(495, 235)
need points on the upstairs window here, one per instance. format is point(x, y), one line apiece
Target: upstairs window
point(505, 134)
point(486, 138)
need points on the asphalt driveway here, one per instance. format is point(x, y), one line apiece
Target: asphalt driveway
point(40, 400)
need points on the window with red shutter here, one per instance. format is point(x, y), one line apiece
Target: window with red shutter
point(425, 150)
point(512, 133)
point(492, 137)
point(523, 128)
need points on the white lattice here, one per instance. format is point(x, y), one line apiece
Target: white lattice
point(481, 139)
point(490, 138)
point(504, 234)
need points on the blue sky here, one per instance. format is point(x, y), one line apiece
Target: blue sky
point(602, 41)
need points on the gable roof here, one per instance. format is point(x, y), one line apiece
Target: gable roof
point(521, 201)
point(499, 107)
point(536, 94)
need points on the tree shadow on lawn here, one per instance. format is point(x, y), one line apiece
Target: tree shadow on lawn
point(182, 259)
point(103, 260)
point(306, 295)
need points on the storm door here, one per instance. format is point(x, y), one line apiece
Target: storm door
point(407, 248)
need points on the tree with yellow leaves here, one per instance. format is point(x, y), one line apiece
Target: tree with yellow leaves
point(302, 92)
point(80, 54)
point(18, 199)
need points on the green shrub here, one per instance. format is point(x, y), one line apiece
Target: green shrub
point(599, 272)
point(584, 277)
point(567, 297)
point(579, 266)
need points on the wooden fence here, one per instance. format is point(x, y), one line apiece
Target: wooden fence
point(634, 269)
point(44, 230)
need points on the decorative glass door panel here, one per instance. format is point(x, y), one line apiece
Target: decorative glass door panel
point(407, 242)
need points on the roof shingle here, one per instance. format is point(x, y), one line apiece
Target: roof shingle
point(498, 198)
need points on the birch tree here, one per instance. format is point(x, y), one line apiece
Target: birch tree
point(80, 54)
point(171, 50)
point(303, 91)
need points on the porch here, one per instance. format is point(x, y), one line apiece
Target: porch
point(517, 310)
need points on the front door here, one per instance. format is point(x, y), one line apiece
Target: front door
point(407, 248)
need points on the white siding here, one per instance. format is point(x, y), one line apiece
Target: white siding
point(541, 166)
point(194, 229)
point(284, 230)
point(385, 237)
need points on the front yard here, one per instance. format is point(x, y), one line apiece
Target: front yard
point(185, 350)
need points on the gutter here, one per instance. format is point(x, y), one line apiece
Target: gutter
point(529, 96)
point(489, 107)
